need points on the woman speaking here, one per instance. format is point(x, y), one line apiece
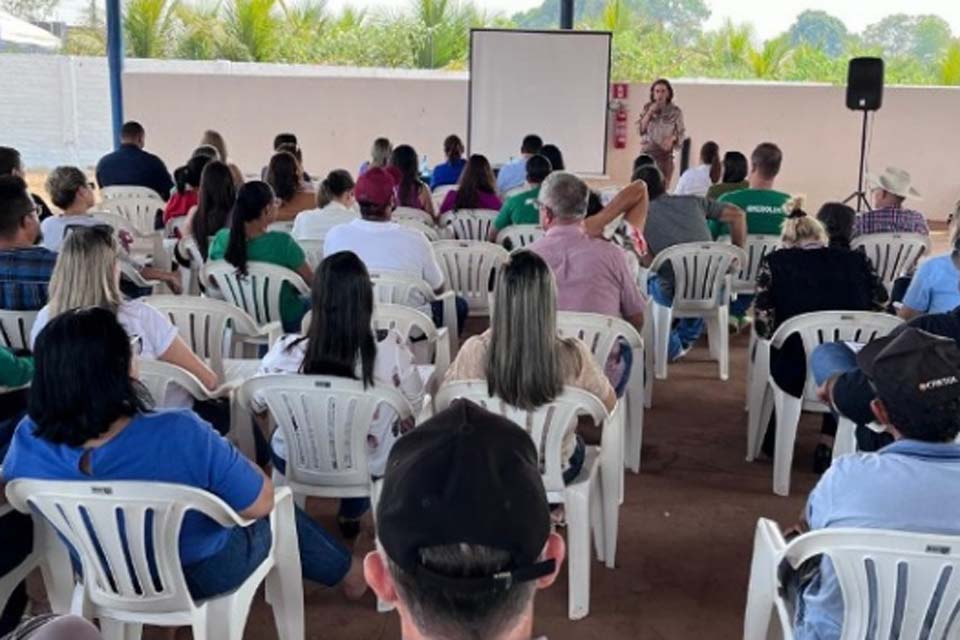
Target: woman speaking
point(661, 127)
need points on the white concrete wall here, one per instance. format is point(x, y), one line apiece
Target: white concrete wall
point(56, 110)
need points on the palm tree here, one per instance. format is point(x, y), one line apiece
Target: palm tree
point(768, 61)
point(731, 44)
point(201, 31)
point(304, 24)
point(444, 27)
point(616, 17)
point(148, 27)
point(950, 65)
point(252, 29)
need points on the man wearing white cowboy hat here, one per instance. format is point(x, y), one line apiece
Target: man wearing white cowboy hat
point(889, 190)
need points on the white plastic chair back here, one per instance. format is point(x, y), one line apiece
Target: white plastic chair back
point(141, 213)
point(518, 236)
point(313, 250)
point(108, 524)
point(324, 421)
point(758, 246)
point(15, 328)
point(160, 377)
point(258, 292)
point(428, 230)
point(410, 323)
point(399, 288)
point(893, 254)
point(469, 268)
point(440, 193)
point(130, 191)
point(700, 272)
point(145, 246)
point(286, 226)
point(469, 224)
point(410, 213)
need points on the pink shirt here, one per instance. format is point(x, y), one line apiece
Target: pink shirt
point(592, 274)
point(484, 201)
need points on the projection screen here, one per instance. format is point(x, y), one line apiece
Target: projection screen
point(552, 83)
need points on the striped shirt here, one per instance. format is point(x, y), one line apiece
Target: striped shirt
point(24, 276)
point(890, 220)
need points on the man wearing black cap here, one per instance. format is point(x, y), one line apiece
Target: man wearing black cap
point(910, 485)
point(463, 529)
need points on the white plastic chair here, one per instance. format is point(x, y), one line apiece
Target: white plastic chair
point(258, 292)
point(325, 421)
point(703, 281)
point(410, 213)
point(469, 268)
point(286, 226)
point(518, 236)
point(757, 246)
point(410, 324)
point(893, 254)
point(469, 224)
point(881, 573)
point(589, 504)
point(15, 328)
point(600, 334)
point(136, 583)
point(765, 396)
point(399, 288)
point(313, 250)
point(140, 212)
point(432, 233)
point(146, 247)
point(440, 193)
point(130, 191)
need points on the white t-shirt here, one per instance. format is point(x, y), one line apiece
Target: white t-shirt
point(55, 227)
point(695, 181)
point(156, 334)
point(316, 223)
point(387, 246)
point(393, 367)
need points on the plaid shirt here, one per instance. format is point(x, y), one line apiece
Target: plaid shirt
point(24, 276)
point(890, 220)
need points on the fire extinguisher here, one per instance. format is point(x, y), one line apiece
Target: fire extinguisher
point(620, 126)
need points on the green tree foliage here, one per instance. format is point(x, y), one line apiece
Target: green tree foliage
point(148, 26)
point(950, 65)
point(253, 29)
point(923, 37)
point(820, 30)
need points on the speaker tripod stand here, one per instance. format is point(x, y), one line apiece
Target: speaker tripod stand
point(860, 195)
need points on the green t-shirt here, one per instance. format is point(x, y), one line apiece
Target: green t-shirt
point(764, 209)
point(14, 370)
point(519, 209)
point(275, 247)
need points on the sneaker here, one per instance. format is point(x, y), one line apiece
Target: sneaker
point(683, 351)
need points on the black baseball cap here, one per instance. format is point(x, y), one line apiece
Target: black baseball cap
point(913, 369)
point(466, 476)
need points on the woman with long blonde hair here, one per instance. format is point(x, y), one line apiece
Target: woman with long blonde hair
point(522, 358)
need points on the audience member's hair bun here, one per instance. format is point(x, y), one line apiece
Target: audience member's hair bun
point(794, 207)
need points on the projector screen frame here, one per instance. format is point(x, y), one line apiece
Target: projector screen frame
point(606, 115)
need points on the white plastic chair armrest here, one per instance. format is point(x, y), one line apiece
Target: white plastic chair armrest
point(273, 331)
point(450, 321)
point(442, 360)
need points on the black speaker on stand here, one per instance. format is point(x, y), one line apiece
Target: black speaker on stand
point(864, 93)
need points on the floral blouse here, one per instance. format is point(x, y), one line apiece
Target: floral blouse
point(665, 123)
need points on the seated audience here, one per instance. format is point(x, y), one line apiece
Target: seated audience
point(933, 287)
point(215, 140)
point(909, 485)
point(287, 142)
point(131, 166)
point(803, 276)
point(11, 164)
point(87, 275)
point(889, 190)
point(512, 174)
point(522, 208)
point(411, 190)
point(218, 193)
point(73, 434)
point(187, 194)
point(335, 202)
point(761, 202)
point(466, 566)
point(524, 362)
point(552, 153)
point(380, 154)
point(341, 342)
point(25, 268)
point(248, 240)
point(449, 172)
point(476, 189)
point(734, 176)
point(675, 220)
point(285, 177)
point(385, 245)
point(591, 274)
point(207, 151)
point(696, 181)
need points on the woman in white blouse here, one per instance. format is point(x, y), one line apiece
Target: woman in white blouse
point(341, 342)
point(335, 205)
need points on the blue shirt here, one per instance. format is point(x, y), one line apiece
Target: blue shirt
point(132, 166)
point(447, 173)
point(24, 277)
point(172, 446)
point(512, 174)
point(906, 486)
point(935, 287)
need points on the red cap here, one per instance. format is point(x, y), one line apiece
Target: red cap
point(375, 186)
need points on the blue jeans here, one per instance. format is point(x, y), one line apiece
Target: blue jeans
point(740, 306)
point(322, 558)
point(686, 331)
point(463, 308)
point(831, 359)
point(576, 461)
point(350, 508)
point(626, 357)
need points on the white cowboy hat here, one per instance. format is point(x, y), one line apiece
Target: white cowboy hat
point(896, 181)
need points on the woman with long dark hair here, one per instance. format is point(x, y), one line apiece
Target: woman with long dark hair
point(247, 239)
point(108, 432)
point(477, 188)
point(411, 191)
point(340, 342)
point(733, 176)
point(285, 175)
point(218, 193)
point(661, 128)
